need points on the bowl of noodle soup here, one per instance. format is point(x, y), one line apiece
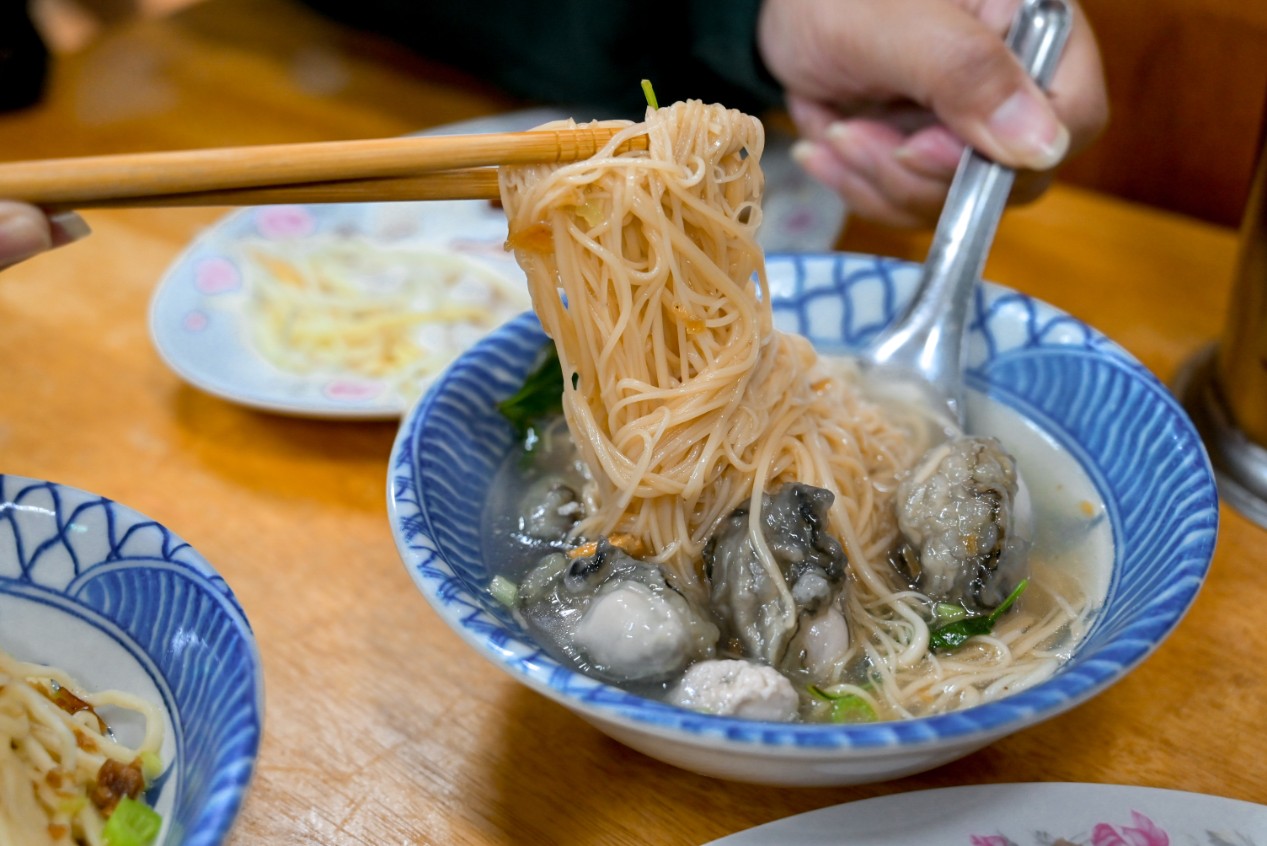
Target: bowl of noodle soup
point(1124, 506)
point(118, 643)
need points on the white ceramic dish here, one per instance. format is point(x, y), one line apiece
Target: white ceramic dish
point(119, 602)
point(201, 314)
point(1040, 814)
point(1111, 418)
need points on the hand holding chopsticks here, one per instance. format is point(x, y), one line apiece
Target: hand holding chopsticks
point(438, 167)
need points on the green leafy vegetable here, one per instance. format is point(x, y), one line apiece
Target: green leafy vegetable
point(845, 707)
point(541, 395)
point(953, 635)
point(133, 823)
point(649, 93)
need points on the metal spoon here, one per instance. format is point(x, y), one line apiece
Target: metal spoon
point(924, 347)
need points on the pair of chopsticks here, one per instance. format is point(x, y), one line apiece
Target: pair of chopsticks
point(439, 167)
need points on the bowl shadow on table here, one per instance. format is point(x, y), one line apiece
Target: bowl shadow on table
point(286, 456)
point(550, 764)
point(595, 790)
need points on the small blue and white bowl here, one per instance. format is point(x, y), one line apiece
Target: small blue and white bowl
point(120, 602)
point(1124, 433)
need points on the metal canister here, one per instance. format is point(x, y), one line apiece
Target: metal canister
point(1242, 354)
point(1226, 389)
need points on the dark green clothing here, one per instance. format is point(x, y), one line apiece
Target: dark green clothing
point(584, 52)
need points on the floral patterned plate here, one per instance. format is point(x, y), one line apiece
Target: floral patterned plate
point(1042, 814)
point(244, 313)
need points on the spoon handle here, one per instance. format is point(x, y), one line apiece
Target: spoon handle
point(928, 338)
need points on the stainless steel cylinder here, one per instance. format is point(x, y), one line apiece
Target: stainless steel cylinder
point(1225, 388)
point(1242, 352)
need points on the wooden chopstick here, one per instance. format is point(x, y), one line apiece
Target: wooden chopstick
point(143, 178)
point(467, 184)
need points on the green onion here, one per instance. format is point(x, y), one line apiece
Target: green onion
point(948, 612)
point(852, 709)
point(845, 707)
point(954, 635)
point(133, 823)
point(649, 93)
point(504, 590)
point(151, 766)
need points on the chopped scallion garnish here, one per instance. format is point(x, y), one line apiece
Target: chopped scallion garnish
point(948, 612)
point(845, 707)
point(151, 765)
point(133, 823)
point(504, 590)
point(649, 93)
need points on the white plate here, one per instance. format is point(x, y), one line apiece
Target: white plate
point(1043, 814)
point(202, 313)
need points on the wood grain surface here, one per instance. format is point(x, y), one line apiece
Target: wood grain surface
point(382, 727)
point(1187, 83)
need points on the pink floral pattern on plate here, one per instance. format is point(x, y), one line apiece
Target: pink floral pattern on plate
point(285, 222)
point(216, 275)
point(195, 321)
point(1141, 832)
point(353, 390)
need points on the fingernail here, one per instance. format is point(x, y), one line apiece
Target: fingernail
point(839, 133)
point(1027, 129)
point(801, 151)
point(22, 234)
point(67, 227)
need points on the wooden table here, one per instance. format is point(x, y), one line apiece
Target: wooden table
point(381, 725)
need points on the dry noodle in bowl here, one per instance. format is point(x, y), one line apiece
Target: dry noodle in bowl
point(65, 776)
point(704, 531)
point(131, 698)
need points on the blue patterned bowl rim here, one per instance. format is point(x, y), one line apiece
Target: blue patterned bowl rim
point(1149, 465)
point(134, 581)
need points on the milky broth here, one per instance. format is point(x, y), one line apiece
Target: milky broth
point(1073, 536)
point(1071, 556)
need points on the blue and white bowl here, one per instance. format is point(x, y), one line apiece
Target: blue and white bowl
point(120, 602)
point(1109, 414)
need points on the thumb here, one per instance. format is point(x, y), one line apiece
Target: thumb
point(24, 231)
point(859, 54)
point(1022, 131)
